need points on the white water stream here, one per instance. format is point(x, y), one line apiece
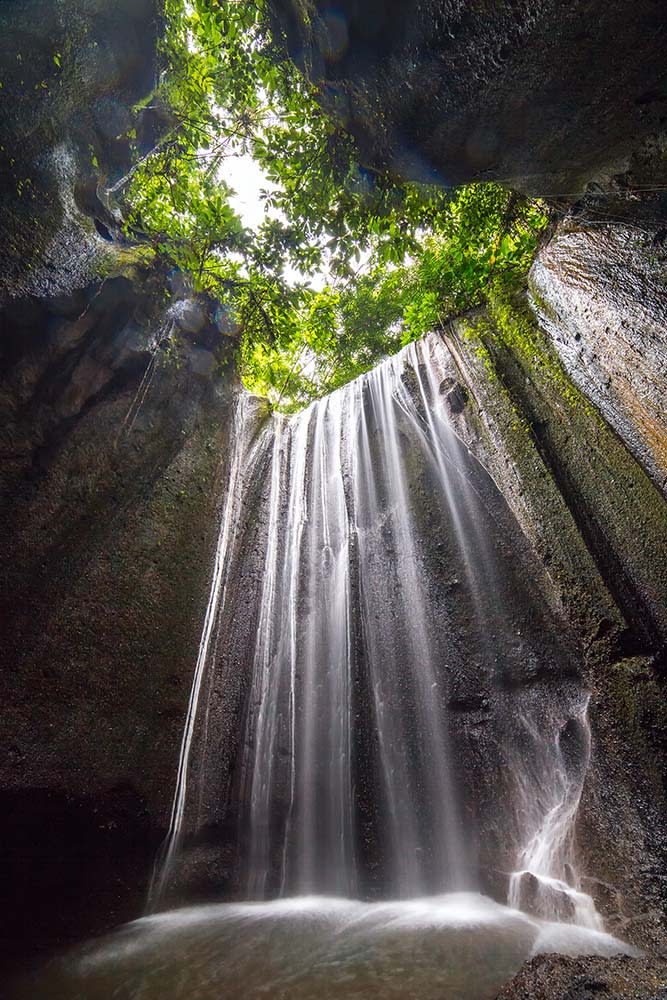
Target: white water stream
point(341, 544)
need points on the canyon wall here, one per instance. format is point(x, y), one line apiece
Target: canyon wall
point(598, 523)
point(117, 410)
point(545, 97)
point(560, 392)
point(115, 434)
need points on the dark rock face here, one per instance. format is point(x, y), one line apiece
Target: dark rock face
point(70, 863)
point(114, 449)
point(543, 96)
point(622, 827)
point(554, 977)
point(71, 72)
point(599, 293)
point(597, 521)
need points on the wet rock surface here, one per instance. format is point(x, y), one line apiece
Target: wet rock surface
point(601, 293)
point(580, 496)
point(555, 977)
point(477, 614)
point(544, 97)
point(71, 72)
point(113, 456)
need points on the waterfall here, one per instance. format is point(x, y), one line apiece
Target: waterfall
point(340, 517)
point(386, 636)
point(301, 674)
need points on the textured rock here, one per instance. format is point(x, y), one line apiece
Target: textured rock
point(71, 71)
point(545, 899)
point(601, 293)
point(543, 96)
point(114, 446)
point(596, 521)
point(113, 457)
point(201, 362)
point(554, 977)
point(189, 315)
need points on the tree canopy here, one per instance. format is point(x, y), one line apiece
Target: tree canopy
point(349, 264)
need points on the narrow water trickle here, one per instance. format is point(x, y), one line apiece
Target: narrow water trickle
point(239, 464)
point(546, 881)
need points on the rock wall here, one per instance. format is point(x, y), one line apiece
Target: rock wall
point(560, 395)
point(72, 71)
point(597, 522)
point(543, 96)
point(554, 977)
point(109, 457)
point(115, 436)
point(601, 294)
point(116, 415)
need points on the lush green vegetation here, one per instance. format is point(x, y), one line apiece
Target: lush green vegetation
point(398, 258)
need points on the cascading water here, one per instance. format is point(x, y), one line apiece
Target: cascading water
point(546, 881)
point(300, 699)
point(347, 526)
point(411, 734)
point(349, 620)
point(356, 658)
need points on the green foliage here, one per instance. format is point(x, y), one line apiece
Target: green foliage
point(484, 239)
point(398, 257)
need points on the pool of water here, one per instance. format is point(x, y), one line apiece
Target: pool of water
point(459, 946)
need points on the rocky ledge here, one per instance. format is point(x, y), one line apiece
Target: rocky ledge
point(556, 977)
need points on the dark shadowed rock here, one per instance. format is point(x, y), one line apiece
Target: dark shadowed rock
point(543, 96)
point(457, 398)
point(112, 455)
point(554, 977)
point(201, 362)
point(71, 71)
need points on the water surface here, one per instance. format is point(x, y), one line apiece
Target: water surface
point(457, 946)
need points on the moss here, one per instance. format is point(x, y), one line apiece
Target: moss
point(123, 261)
point(638, 698)
point(543, 307)
point(479, 333)
point(623, 689)
point(516, 326)
point(615, 509)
